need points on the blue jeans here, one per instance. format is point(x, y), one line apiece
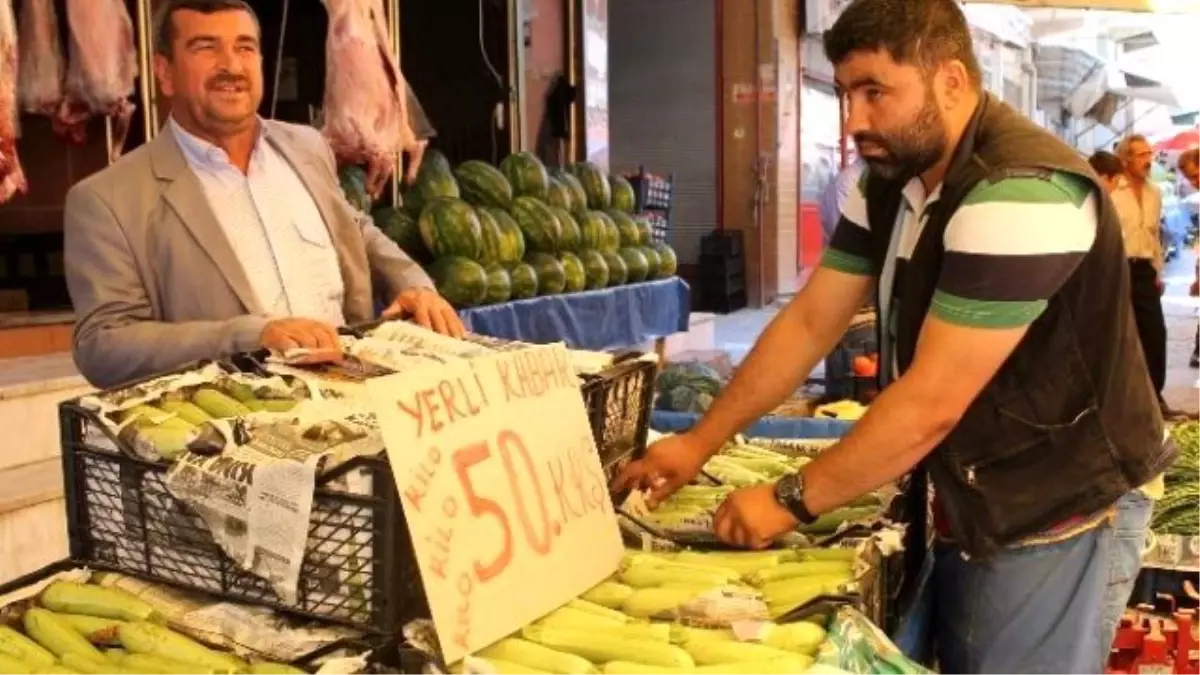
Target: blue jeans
point(1132, 523)
point(1032, 609)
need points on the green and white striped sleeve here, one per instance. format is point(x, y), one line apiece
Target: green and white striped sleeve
point(849, 248)
point(1011, 245)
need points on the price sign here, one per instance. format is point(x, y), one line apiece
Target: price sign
point(502, 489)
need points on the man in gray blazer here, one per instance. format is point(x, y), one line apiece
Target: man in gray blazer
point(227, 232)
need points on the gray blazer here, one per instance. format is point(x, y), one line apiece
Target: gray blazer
point(155, 281)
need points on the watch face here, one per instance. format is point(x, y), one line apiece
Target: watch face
point(788, 491)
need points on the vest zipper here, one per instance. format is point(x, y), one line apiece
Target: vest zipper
point(970, 474)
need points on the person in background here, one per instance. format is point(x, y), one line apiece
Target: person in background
point(227, 232)
point(1132, 520)
point(1108, 166)
point(1189, 168)
point(1012, 370)
point(1139, 207)
point(834, 196)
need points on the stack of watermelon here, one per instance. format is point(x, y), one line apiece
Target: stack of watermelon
point(490, 234)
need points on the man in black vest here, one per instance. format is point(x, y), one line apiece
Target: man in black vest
point(1012, 366)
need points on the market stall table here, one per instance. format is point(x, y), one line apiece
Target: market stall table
point(601, 320)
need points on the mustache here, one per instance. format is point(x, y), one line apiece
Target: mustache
point(226, 79)
point(873, 139)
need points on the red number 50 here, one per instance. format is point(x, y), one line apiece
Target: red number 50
point(539, 541)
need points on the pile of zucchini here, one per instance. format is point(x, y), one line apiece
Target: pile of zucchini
point(1178, 512)
point(83, 628)
point(178, 421)
point(638, 621)
point(741, 464)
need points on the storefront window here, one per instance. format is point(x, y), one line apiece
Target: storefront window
point(820, 140)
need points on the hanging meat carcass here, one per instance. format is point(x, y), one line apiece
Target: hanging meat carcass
point(366, 98)
point(40, 80)
point(12, 178)
point(102, 73)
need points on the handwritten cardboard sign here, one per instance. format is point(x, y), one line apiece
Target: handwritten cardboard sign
point(502, 488)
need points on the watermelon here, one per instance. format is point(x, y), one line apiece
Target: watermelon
point(354, 185)
point(667, 262)
point(559, 195)
point(513, 249)
point(524, 281)
point(493, 239)
point(538, 223)
point(428, 187)
point(449, 227)
point(402, 228)
point(482, 184)
point(627, 230)
point(499, 284)
point(526, 174)
point(618, 273)
point(433, 161)
point(653, 265)
point(578, 195)
point(595, 270)
point(552, 279)
point(595, 185)
point(461, 281)
point(576, 278)
point(644, 228)
point(594, 230)
point(623, 197)
point(612, 232)
point(636, 263)
point(571, 236)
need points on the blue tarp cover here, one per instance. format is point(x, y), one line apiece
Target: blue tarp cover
point(608, 319)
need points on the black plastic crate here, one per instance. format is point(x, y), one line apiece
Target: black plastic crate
point(659, 224)
point(385, 653)
point(651, 192)
point(619, 403)
point(122, 518)
point(725, 244)
point(358, 570)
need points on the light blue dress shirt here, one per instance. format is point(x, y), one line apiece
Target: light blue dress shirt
point(274, 227)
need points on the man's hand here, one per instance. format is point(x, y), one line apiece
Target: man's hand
point(428, 309)
point(667, 466)
point(751, 518)
point(1194, 289)
point(284, 335)
point(1160, 284)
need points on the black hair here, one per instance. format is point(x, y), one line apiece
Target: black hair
point(1106, 164)
point(164, 27)
point(924, 33)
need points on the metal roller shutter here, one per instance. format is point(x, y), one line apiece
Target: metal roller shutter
point(662, 105)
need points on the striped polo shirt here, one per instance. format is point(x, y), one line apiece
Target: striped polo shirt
point(1009, 248)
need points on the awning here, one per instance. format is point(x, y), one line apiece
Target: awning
point(1158, 6)
point(1081, 84)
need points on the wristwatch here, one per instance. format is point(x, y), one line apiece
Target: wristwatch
point(789, 492)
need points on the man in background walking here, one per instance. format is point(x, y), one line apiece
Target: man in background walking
point(1139, 208)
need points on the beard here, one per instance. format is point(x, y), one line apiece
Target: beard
point(910, 151)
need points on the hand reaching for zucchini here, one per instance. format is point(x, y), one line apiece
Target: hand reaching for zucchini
point(668, 465)
point(752, 518)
